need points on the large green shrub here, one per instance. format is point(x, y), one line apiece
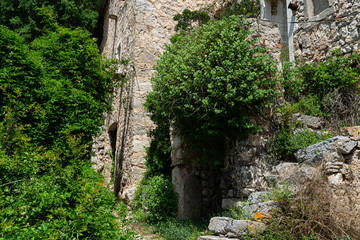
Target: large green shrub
point(337, 72)
point(210, 81)
point(67, 203)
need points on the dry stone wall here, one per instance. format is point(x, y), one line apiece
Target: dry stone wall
point(334, 25)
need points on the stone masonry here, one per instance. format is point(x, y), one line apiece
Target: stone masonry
point(324, 26)
point(140, 29)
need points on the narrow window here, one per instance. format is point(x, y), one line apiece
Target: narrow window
point(112, 135)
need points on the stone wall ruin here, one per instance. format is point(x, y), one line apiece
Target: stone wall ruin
point(140, 29)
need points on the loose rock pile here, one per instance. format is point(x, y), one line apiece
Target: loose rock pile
point(337, 158)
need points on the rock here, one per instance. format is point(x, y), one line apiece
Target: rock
point(234, 228)
point(128, 195)
point(333, 157)
point(302, 175)
point(228, 203)
point(257, 197)
point(308, 121)
point(261, 207)
point(218, 225)
point(352, 132)
point(286, 169)
point(335, 179)
point(315, 153)
point(212, 237)
point(345, 145)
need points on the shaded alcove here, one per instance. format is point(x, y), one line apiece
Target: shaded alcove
point(112, 131)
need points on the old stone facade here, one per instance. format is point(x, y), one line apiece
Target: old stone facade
point(140, 29)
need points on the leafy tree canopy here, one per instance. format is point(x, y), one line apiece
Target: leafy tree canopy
point(31, 18)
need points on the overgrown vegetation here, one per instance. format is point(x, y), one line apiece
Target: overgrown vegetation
point(34, 18)
point(209, 90)
point(327, 89)
point(155, 200)
point(174, 229)
point(54, 88)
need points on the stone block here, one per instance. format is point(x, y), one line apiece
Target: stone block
point(234, 228)
point(257, 197)
point(218, 225)
point(352, 132)
point(315, 153)
point(261, 207)
point(302, 175)
point(286, 169)
point(308, 121)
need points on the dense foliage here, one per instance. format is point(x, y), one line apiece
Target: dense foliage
point(327, 88)
point(32, 18)
point(156, 200)
point(187, 18)
point(58, 86)
point(248, 8)
point(53, 92)
point(209, 89)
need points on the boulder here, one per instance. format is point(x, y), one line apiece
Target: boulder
point(234, 228)
point(261, 207)
point(308, 121)
point(257, 197)
point(302, 175)
point(286, 169)
point(315, 153)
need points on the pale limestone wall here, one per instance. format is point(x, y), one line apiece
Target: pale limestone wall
point(335, 27)
point(139, 30)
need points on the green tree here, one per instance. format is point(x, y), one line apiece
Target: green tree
point(210, 81)
point(52, 97)
point(32, 18)
point(59, 86)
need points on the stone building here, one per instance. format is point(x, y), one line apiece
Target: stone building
point(140, 29)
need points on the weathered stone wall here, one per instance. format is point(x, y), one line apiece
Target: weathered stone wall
point(247, 167)
point(324, 26)
point(139, 30)
point(196, 183)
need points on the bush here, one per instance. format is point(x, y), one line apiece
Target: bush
point(337, 72)
point(209, 88)
point(70, 203)
point(52, 98)
point(156, 200)
point(58, 88)
point(286, 143)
